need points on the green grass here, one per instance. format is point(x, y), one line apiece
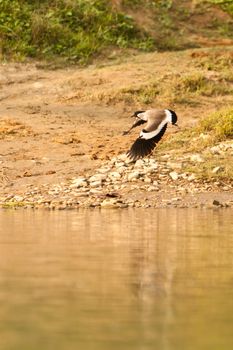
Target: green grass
point(226, 5)
point(74, 29)
point(80, 30)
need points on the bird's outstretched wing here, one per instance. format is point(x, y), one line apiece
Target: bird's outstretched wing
point(143, 147)
point(135, 124)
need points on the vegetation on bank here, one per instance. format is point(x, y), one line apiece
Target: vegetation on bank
point(217, 127)
point(75, 29)
point(78, 30)
point(226, 5)
point(212, 140)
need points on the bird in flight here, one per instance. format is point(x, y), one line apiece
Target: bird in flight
point(156, 121)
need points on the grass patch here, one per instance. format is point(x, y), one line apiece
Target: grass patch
point(214, 130)
point(144, 94)
point(226, 5)
point(214, 61)
point(205, 170)
point(198, 84)
point(13, 205)
point(218, 125)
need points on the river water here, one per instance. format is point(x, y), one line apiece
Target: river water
point(116, 279)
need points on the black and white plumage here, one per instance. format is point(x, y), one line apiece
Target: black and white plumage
point(156, 124)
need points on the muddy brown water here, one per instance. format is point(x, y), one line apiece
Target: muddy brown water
point(130, 279)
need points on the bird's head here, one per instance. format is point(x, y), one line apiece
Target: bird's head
point(173, 117)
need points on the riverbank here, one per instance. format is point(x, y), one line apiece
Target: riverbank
point(61, 133)
point(120, 183)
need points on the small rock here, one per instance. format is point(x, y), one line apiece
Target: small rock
point(152, 188)
point(151, 169)
point(133, 176)
point(217, 169)
point(38, 85)
point(147, 180)
point(95, 191)
point(196, 158)
point(216, 202)
point(191, 177)
point(123, 157)
point(97, 177)
point(215, 150)
point(122, 169)
point(165, 157)
point(114, 175)
point(204, 136)
point(50, 172)
point(174, 175)
point(175, 165)
point(176, 199)
point(79, 182)
point(18, 198)
point(109, 203)
point(104, 170)
point(139, 164)
point(94, 184)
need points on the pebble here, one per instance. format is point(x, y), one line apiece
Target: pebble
point(174, 175)
point(18, 198)
point(196, 158)
point(122, 177)
point(97, 178)
point(97, 183)
point(79, 182)
point(139, 164)
point(147, 180)
point(104, 170)
point(152, 188)
point(114, 175)
point(191, 177)
point(216, 202)
point(175, 166)
point(109, 203)
point(217, 169)
point(133, 176)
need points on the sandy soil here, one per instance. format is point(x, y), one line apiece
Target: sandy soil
point(56, 125)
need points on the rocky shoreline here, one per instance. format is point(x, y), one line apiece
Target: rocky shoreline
point(121, 183)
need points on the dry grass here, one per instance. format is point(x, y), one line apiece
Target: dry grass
point(12, 127)
point(175, 89)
